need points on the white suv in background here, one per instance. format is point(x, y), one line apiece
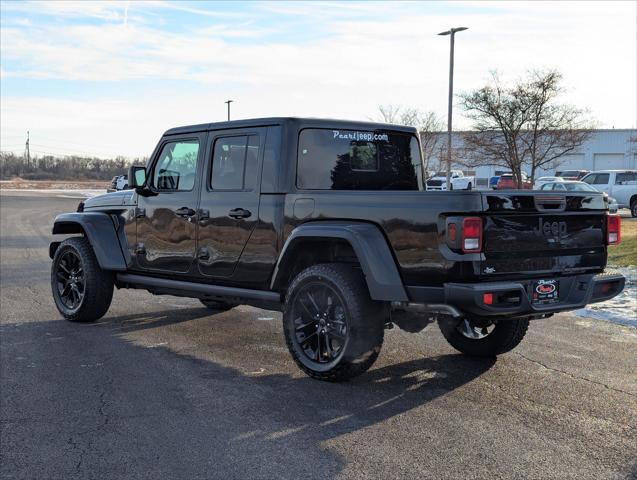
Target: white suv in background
point(122, 182)
point(458, 181)
point(619, 184)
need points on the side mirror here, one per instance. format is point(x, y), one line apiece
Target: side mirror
point(137, 180)
point(136, 176)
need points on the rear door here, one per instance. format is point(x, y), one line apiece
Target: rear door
point(538, 234)
point(229, 204)
point(624, 188)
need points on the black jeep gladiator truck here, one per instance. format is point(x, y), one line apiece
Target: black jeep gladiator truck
point(329, 222)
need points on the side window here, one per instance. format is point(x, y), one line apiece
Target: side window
point(558, 186)
point(234, 163)
point(176, 167)
point(590, 179)
point(601, 179)
point(625, 177)
point(546, 186)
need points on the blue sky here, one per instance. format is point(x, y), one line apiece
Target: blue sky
point(107, 78)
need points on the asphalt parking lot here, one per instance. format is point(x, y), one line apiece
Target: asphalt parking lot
point(162, 388)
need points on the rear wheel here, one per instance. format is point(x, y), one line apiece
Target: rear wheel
point(82, 291)
point(217, 305)
point(333, 329)
point(469, 187)
point(484, 338)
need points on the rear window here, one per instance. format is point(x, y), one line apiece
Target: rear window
point(626, 177)
point(358, 160)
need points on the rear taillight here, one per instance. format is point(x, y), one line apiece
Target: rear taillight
point(613, 230)
point(471, 241)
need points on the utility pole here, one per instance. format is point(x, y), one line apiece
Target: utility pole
point(228, 102)
point(27, 151)
point(452, 33)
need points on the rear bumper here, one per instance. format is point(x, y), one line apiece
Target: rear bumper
point(513, 299)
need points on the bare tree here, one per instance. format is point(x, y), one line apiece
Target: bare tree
point(523, 124)
point(429, 126)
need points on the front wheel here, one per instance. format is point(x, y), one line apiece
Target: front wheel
point(333, 329)
point(82, 291)
point(469, 187)
point(481, 338)
point(633, 209)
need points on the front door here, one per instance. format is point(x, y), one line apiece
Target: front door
point(229, 204)
point(166, 223)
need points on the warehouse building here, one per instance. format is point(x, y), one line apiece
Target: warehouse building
point(605, 149)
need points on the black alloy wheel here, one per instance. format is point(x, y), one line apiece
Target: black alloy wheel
point(320, 323)
point(82, 291)
point(332, 327)
point(69, 276)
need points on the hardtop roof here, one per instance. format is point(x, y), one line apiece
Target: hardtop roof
point(299, 122)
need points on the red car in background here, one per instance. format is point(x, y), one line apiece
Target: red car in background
point(507, 182)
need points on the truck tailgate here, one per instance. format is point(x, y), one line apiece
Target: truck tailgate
point(539, 234)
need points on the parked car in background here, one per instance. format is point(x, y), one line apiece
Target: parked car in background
point(543, 180)
point(458, 181)
point(577, 186)
point(572, 174)
point(122, 182)
point(493, 181)
point(113, 185)
point(507, 182)
point(619, 184)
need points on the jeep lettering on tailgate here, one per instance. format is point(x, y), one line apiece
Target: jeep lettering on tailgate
point(552, 229)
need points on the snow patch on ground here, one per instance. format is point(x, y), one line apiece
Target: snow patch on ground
point(622, 309)
point(60, 192)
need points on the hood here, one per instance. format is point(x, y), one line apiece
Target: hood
point(113, 199)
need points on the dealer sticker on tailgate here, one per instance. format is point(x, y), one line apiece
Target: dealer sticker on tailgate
point(545, 291)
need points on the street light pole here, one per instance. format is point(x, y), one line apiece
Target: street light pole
point(452, 33)
point(228, 102)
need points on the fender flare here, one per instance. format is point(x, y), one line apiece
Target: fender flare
point(100, 231)
point(369, 245)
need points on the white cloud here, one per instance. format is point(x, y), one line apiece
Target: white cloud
point(346, 72)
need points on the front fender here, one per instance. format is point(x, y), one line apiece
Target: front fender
point(98, 227)
point(369, 245)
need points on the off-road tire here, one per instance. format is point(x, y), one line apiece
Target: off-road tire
point(365, 319)
point(98, 284)
point(506, 335)
point(217, 305)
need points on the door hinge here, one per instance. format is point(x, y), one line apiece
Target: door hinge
point(140, 212)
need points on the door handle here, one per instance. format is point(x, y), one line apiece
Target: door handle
point(239, 213)
point(185, 212)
